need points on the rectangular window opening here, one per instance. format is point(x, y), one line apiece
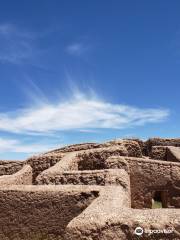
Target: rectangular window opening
point(160, 199)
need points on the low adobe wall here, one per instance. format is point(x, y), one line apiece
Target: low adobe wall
point(43, 162)
point(166, 153)
point(78, 213)
point(81, 160)
point(73, 148)
point(94, 159)
point(85, 159)
point(41, 212)
point(96, 177)
point(147, 176)
point(173, 154)
point(22, 177)
point(161, 142)
point(158, 153)
point(10, 167)
point(141, 144)
point(119, 223)
point(101, 212)
point(133, 146)
point(110, 217)
point(110, 202)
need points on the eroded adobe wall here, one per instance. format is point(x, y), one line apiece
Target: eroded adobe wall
point(41, 212)
point(96, 217)
point(74, 147)
point(22, 177)
point(141, 143)
point(173, 154)
point(147, 176)
point(90, 157)
point(68, 162)
point(166, 153)
point(97, 177)
point(134, 146)
point(93, 159)
point(161, 142)
point(43, 162)
point(78, 212)
point(120, 224)
point(158, 153)
point(10, 167)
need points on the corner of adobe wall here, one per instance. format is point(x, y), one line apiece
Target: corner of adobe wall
point(22, 177)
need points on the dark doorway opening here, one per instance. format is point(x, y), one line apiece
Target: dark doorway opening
point(160, 199)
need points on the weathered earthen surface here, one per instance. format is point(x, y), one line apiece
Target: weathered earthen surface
point(162, 142)
point(38, 212)
point(141, 143)
point(115, 162)
point(43, 162)
point(75, 147)
point(158, 153)
point(10, 167)
point(95, 159)
point(103, 191)
point(173, 154)
point(121, 224)
point(22, 177)
point(132, 146)
point(96, 177)
point(146, 176)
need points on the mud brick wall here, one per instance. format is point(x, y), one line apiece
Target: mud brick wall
point(43, 162)
point(147, 176)
point(173, 154)
point(161, 142)
point(166, 153)
point(83, 160)
point(120, 223)
point(97, 217)
point(95, 159)
point(96, 177)
point(75, 147)
point(22, 177)
point(35, 212)
point(10, 167)
point(158, 153)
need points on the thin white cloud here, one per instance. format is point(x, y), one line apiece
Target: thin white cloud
point(6, 29)
point(78, 112)
point(76, 49)
point(19, 46)
point(16, 45)
point(16, 146)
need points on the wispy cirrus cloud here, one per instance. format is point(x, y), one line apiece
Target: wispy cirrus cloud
point(76, 49)
point(78, 112)
point(16, 44)
point(17, 146)
point(6, 29)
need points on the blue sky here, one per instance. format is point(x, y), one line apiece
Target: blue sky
point(85, 71)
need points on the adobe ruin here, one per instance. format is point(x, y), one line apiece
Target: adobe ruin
point(93, 191)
